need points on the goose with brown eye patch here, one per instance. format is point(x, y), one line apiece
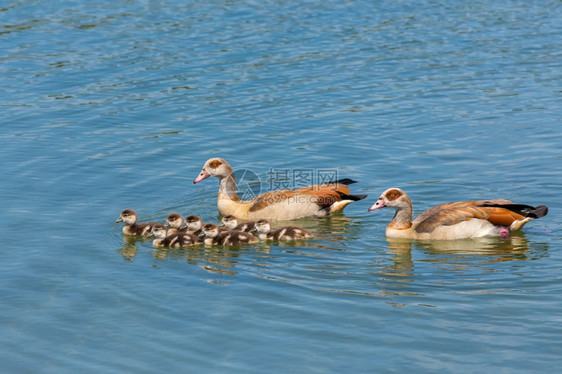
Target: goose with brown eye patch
point(457, 220)
point(319, 200)
point(131, 227)
point(263, 227)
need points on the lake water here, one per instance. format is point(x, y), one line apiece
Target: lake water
point(114, 105)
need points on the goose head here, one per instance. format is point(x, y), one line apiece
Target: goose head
point(394, 198)
point(214, 167)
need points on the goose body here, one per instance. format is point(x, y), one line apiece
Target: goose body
point(132, 227)
point(177, 240)
point(457, 220)
point(318, 200)
point(214, 236)
point(231, 223)
point(263, 227)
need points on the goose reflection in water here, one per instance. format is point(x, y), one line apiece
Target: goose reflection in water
point(463, 252)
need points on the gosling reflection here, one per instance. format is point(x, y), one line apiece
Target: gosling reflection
point(129, 248)
point(213, 260)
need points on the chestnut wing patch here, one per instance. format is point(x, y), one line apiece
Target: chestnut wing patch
point(325, 195)
point(270, 198)
point(497, 211)
point(448, 216)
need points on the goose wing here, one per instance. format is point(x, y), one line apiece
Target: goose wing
point(499, 212)
point(324, 195)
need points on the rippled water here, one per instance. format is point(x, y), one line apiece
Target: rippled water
point(114, 105)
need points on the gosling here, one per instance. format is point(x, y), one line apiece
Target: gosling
point(263, 227)
point(174, 223)
point(178, 240)
point(227, 237)
point(132, 227)
point(231, 223)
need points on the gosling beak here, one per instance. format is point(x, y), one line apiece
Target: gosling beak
point(166, 224)
point(201, 234)
point(120, 219)
point(377, 205)
point(201, 176)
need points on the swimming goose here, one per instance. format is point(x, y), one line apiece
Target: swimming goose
point(226, 237)
point(178, 240)
point(457, 220)
point(263, 227)
point(174, 223)
point(131, 226)
point(319, 200)
point(231, 223)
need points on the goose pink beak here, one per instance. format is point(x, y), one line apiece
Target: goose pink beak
point(201, 176)
point(377, 205)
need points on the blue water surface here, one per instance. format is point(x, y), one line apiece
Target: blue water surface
point(114, 105)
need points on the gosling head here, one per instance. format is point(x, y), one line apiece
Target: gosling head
point(210, 230)
point(262, 226)
point(159, 231)
point(229, 221)
point(174, 220)
point(128, 216)
point(193, 222)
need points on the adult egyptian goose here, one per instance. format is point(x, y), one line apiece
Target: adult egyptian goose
point(231, 223)
point(318, 200)
point(178, 240)
point(226, 237)
point(263, 227)
point(132, 227)
point(458, 220)
point(174, 223)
